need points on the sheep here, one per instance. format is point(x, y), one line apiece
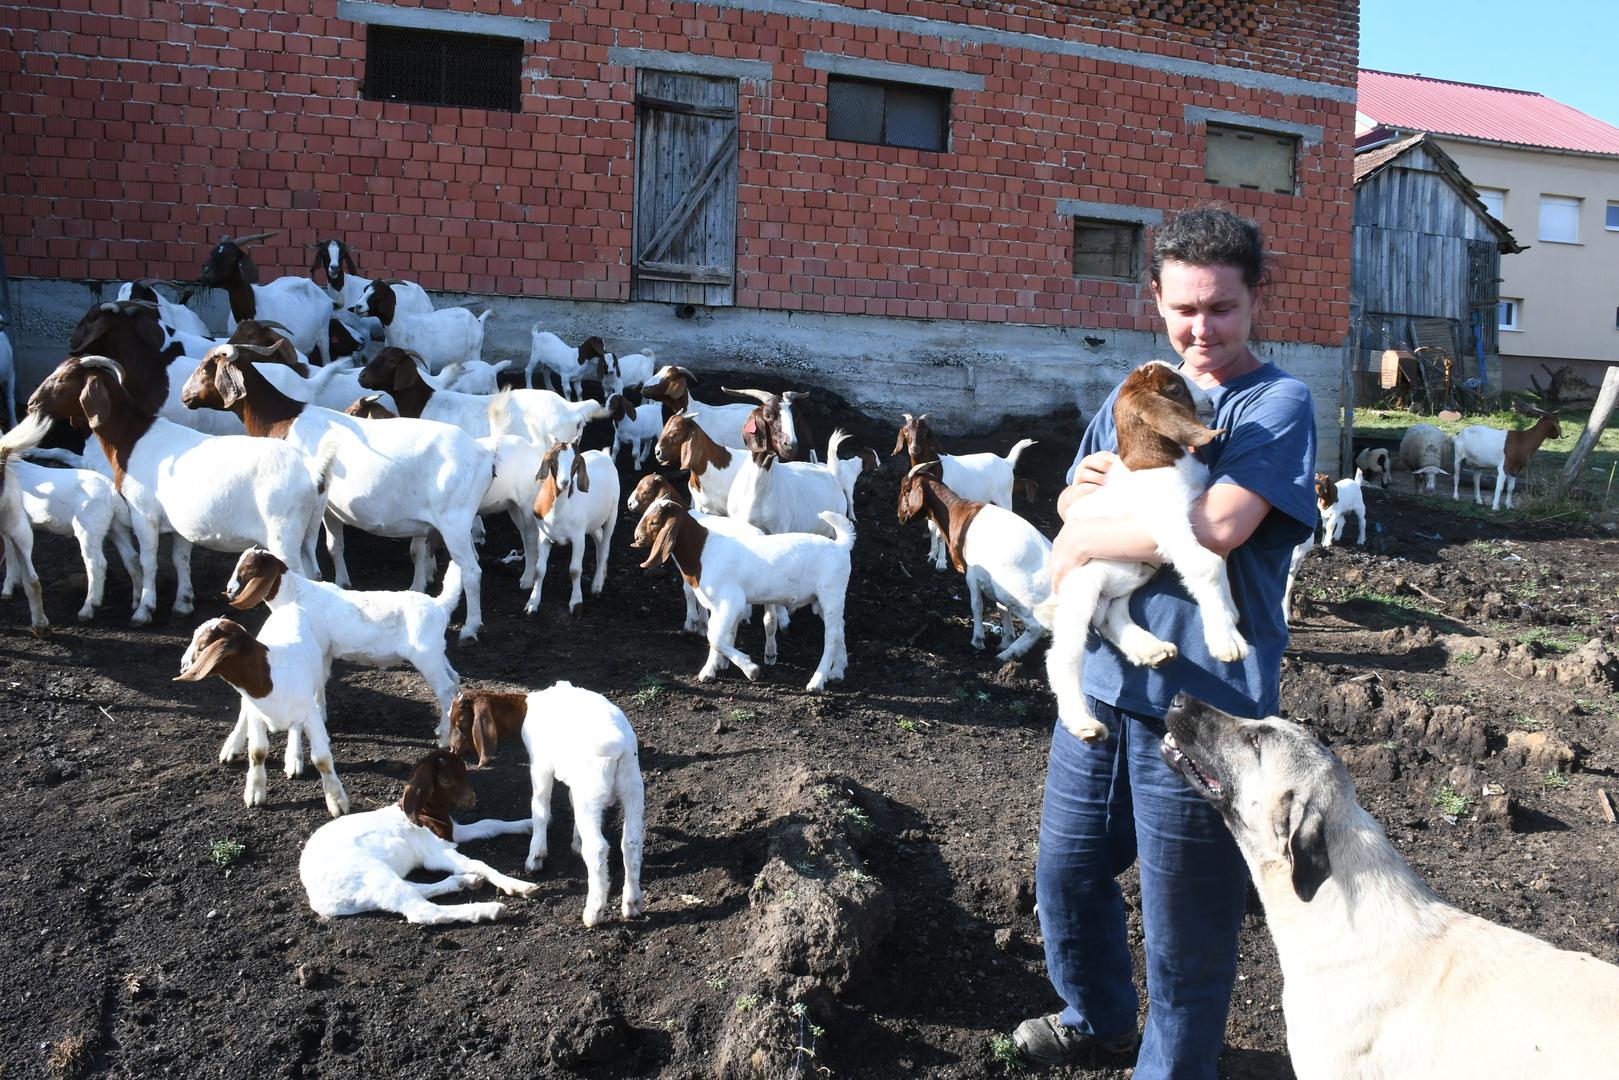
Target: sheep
point(1336, 501)
point(297, 303)
point(634, 426)
point(1375, 464)
point(8, 374)
point(82, 504)
point(555, 357)
point(1001, 555)
point(439, 337)
point(358, 863)
point(225, 492)
point(1158, 414)
point(378, 629)
point(281, 678)
point(537, 415)
point(579, 737)
point(630, 371)
point(578, 497)
point(710, 468)
point(16, 532)
point(980, 477)
point(1424, 451)
point(788, 496)
point(671, 386)
point(1507, 452)
point(402, 478)
point(731, 573)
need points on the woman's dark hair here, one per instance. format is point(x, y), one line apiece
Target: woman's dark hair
point(1210, 236)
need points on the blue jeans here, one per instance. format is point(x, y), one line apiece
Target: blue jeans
point(1108, 805)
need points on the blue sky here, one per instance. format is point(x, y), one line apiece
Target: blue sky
point(1560, 48)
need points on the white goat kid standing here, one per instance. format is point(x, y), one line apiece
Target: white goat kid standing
point(569, 364)
point(1158, 414)
point(1336, 501)
point(441, 337)
point(578, 498)
point(16, 533)
point(84, 505)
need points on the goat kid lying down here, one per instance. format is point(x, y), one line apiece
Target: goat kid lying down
point(358, 863)
point(1159, 413)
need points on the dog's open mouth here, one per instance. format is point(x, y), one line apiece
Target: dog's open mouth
point(1182, 763)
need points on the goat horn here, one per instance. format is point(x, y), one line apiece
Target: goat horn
point(105, 363)
point(760, 396)
point(243, 241)
point(261, 350)
point(907, 417)
point(418, 359)
point(917, 469)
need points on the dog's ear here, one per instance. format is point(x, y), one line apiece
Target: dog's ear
point(1302, 829)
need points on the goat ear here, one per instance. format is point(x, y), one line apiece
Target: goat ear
point(319, 262)
point(1301, 831)
point(663, 545)
point(96, 403)
point(416, 793)
point(1173, 421)
point(262, 586)
point(348, 259)
point(579, 474)
point(250, 272)
point(485, 736)
point(204, 663)
point(899, 444)
point(229, 382)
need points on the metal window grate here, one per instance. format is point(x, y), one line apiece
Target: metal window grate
point(432, 67)
point(1107, 249)
point(887, 114)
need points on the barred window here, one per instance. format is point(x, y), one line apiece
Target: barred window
point(1107, 249)
point(887, 114)
point(435, 67)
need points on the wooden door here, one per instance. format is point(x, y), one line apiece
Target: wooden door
point(685, 188)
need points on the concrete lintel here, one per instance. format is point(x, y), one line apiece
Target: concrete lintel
point(723, 67)
point(457, 22)
point(1138, 215)
point(883, 71)
point(1309, 134)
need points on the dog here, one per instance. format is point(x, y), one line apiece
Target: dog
point(1382, 979)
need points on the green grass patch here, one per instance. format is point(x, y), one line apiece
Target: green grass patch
point(1451, 802)
point(1554, 779)
point(1004, 1052)
point(226, 853)
point(1552, 641)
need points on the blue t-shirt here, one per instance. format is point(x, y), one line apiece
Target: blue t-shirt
point(1269, 449)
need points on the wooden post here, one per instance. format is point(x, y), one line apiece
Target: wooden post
point(1606, 397)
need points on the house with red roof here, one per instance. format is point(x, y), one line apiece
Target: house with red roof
point(1548, 172)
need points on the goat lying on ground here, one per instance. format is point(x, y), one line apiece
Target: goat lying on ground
point(983, 478)
point(1336, 501)
point(359, 863)
point(1507, 452)
point(579, 737)
point(1158, 414)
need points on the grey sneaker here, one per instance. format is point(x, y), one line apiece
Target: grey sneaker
point(1046, 1040)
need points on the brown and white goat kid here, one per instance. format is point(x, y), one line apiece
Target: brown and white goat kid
point(1335, 501)
point(358, 863)
point(979, 477)
point(579, 737)
point(1000, 554)
point(578, 497)
point(1159, 413)
point(1507, 452)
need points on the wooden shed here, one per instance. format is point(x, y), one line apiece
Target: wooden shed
point(1426, 266)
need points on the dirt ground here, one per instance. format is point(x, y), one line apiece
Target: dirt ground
point(867, 854)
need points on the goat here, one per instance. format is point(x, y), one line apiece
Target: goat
point(1336, 501)
point(631, 371)
point(1293, 565)
point(127, 331)
point(671, 386)
point(173, 314)
point(1159, 413)
point(537, 415)
point(401, 478)
point(1374, 463)
point(774, 422)
point(729, 574)
point(980, 477)
point(1507, 452)
point(297, 303)
point(439, 337)
point(16, 533)
point(579, 737)
point(1424, 450)
point(336, 259)
point(710, 468)
point(81, 504)
point(8, 374)
point(788, 496)
point(578, 497)
point(555, 357)
point(224, 492)
point(281, 678)
point(378, 629)
point(635, 426)
point(359, 862)
point(471, 377)
point(1001, 555)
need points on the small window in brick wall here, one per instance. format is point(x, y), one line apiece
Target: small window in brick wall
point(887, 114)
point(434, 67)
point(1257, 160)
point(1107, 249)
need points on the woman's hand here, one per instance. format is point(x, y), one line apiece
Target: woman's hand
point(1090, 474)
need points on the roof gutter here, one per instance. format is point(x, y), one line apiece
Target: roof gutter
point(1501, 144)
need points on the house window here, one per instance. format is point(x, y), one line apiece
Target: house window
point(1508, 319)
point(1612, 222)
point(887, 114)
point(1107, 249)
point(1559, 219)
point(1258, 160)
point(1495, 201)
point(434, 67)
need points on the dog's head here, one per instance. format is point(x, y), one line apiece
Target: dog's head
point(1276, 787)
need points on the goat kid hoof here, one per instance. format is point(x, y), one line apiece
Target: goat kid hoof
point(752, 672)
point(471, 881)
point(1228, 649)
point(86, 614)
point(468, 637)
point(488, 912)
point(141, 618)
point(523, 888)
point(1091, 731)
point(594, 919)
point(534, 864)
point(816, 685)
point(42, 631)
point(632, 908)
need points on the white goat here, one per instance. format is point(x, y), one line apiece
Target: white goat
point(732, 573)
point(789, 496)
point(281, 678)
point(348, 288)
point(470, 377)
point(1336, 501)
point(1423, 451)
point(578, 497)
point(16, 534)
point(537, 415)
point(632, 370)
point(635, 426)
point(439, 337)
point(1158, 414)
point(579, 737)
point(178, 316)
point(84, 505)
point(1507, 452)
point(984, 477)
point(358, 863)
point(225, 492)
point(568, 363)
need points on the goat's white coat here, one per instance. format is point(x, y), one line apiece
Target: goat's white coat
point(575, 515)
point(178, 316)
point(16, 533)
point(985, 478)
point(632, 369)
point(1481, 447)
point(298, 304)
point(1007, 560)
point(554, 357)
point(1351, 500)
point(84, 505)
point(440, 337)
point(639, 432)
point(790, 496)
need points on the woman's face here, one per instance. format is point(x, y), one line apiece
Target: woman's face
point(1208, 311)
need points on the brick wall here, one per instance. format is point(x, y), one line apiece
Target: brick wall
point(142, 130)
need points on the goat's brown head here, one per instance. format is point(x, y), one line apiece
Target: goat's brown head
point(676, 442)
point(229, 264)
point(273, 338)
point(592, 348)
point(553, 484)
point(334, 257)
point(917, 438)
point(438, 786)
point(657, 530)
point(220, 380)
point(370, 407)
point(652, 487)
point(479, 718)
point(911, 489)
point(669, 383)
point(256, 579)
point(1158, 413)
point(81, 391)
point(223, 647)
point(1326, 492)
point(619, 408)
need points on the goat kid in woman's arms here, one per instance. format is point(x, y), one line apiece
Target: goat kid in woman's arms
point(1159, 414)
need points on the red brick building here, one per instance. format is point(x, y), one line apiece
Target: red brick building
point(992, 162)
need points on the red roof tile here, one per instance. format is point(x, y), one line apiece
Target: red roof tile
point(1415, 103)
